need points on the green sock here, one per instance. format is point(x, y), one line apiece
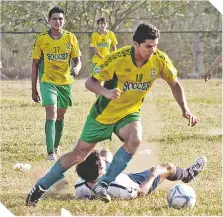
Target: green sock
point(50, 135)
point(59, 130)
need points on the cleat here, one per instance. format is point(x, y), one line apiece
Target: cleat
point(51, 157)
point(101, 191)
point(35, 195)
point(195, 169)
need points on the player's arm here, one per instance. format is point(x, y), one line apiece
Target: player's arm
point(114, 41)
point(34, 77)
point(169, 74)
point(179, 95)
point(94, 86)
point(114, 47)
point(212, 67)
point(107, 155)
point(77, 66)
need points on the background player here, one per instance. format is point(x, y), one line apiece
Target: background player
point(102, 41)
point(212, 67)
point(52, 51)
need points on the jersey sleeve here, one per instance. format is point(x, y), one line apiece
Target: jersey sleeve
point(113, 39)
point(169, 72)
point(93, 42)
point(75, 52)
point(104, 70)
point(81, 190)
point(36, 51)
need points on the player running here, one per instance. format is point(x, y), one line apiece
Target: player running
point(129, 73)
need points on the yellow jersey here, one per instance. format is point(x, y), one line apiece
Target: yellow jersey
point(119, 70)
point(55, 57)
point(102, 43)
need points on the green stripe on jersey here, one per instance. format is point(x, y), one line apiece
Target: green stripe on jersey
point(41, 67)
point(102, 102)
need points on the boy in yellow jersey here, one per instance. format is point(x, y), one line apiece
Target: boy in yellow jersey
point(102, 41)
point(52, 53)
point(128, 74)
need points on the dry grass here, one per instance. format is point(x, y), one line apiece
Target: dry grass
point(165, 132)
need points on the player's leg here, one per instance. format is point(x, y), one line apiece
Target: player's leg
point(174, 173)
point(151, 178)
point(188, 174)
point(56, 173)
point(49, 101)
point(59, 125)
point(64, 100)
point(129, 130)
point(92, 133)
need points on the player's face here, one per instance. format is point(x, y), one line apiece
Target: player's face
point(57, 21)
point(147, 48)
point(102, 26)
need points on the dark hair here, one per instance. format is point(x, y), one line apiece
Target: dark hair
point(145, 31)
point(56, 9)
point(101, 19)
point(89, 169)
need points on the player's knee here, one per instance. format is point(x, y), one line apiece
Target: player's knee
point(136, 141)
point(51, 112)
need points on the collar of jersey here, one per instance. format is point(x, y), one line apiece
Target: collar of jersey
point(62, 32)
point(132, 52)
point(103, 34)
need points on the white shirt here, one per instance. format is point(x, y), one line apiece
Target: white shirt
point(123, 187)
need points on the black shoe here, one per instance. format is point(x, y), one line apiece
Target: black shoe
point(195, 169)
point(101, 191)
point(35, 195)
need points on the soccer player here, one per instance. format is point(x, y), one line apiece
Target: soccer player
point(212, 67)
point(128, 74)
point(102, 41)
point(51, 54)
point(130, 185)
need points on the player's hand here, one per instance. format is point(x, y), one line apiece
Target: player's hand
point(207, 76)
point(35, 96)
point(192, 119)
point(74, 71)
point(112, 94)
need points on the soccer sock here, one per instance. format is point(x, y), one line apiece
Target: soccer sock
point(50, 135)
point(181, 174)
point(118, 164)
point(59, 130)
point(54, 175)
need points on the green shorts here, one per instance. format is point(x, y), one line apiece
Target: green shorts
point(59, 95)
point(94, 132)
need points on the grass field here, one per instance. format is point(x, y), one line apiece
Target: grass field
point(164, 130)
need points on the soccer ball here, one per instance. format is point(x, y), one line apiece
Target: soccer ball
point(181, 196)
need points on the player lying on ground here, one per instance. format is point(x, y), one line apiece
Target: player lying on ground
point(130, 185)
